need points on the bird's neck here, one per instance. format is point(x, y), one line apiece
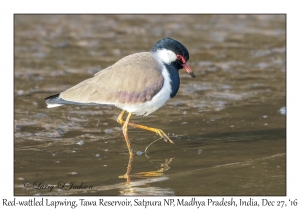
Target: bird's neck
point(174, 79)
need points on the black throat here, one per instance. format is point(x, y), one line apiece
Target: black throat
point(174, 79)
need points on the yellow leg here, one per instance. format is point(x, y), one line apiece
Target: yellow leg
point(120, 117)
point(125, 129)
point(157, 131)
point(126, 175)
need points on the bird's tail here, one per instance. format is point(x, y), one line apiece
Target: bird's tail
point(55, 100)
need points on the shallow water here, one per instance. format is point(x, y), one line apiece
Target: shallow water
point(228, 124)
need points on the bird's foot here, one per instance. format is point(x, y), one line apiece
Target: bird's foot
point(163, 135)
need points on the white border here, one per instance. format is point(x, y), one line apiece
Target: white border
point(8, 8)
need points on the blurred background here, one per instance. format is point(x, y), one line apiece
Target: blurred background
point(228, 124)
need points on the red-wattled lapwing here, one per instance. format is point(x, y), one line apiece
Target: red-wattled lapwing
point(139, 83)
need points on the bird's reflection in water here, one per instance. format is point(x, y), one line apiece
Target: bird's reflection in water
point(138, 190)
point(159, 173)
point(133, 187)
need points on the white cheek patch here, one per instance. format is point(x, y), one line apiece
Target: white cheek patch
point(166, 56)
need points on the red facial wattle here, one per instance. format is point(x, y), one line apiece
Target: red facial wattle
point(185, 65)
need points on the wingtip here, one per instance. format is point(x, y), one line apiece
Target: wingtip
point(50, 97)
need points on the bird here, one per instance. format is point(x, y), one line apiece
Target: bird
point(139, 84)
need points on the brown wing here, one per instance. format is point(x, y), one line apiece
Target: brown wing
point(134, 79)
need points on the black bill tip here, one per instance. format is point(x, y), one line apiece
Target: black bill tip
point(192, 74)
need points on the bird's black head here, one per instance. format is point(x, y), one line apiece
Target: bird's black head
point(173, 45)
point(182, 54)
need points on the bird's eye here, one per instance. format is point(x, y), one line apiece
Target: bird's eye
point(181, 58)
